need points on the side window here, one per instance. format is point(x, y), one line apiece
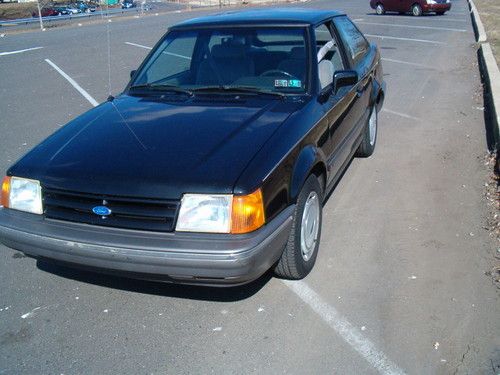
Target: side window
point(328, 54)
point(355, 43)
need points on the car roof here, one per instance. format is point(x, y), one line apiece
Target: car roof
point(264, 16)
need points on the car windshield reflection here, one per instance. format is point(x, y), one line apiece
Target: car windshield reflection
point(258, 60)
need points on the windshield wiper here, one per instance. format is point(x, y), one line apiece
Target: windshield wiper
point(238, 89)
point(153, 87)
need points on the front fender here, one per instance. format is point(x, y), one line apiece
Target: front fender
point(309, 160)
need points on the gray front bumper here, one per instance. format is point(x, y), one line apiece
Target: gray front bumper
point(210, 259)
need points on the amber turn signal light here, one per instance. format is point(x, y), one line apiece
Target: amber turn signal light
point(247, 212)
point(5, 191)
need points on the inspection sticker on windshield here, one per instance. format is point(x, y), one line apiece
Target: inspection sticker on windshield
point(295, 83)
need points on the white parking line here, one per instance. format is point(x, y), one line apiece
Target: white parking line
point(344, 329)
point(19, 51)
point(168, 53)
point(406, 63)
point(137, 45)
point(73, 83)
point(406, 39)
point(412, 26)
point(400, 114)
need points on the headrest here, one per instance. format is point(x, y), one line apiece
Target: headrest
point(325, 68)
point(228, 51)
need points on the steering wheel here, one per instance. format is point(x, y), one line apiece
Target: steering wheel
point(272, 72)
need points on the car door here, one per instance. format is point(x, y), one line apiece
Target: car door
point(405, 5)
point(336, 106)
point(392, 5)
point(356, 49)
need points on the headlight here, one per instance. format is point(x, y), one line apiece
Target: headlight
point(205, 213)
point(224, 213)
point(22, 194)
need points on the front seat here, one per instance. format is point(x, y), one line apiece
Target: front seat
point(326, 71)
point(227, 63)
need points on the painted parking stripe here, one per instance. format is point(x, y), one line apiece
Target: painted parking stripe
point(168, 53)
point(406, 63)
point(413, 26)
point(344, 328)
point(137, 45)
point(404, 115)
point(19, 51)
point(84, 93)
point(405, 39)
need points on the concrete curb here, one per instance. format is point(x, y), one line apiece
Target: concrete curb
point(491, 77)
point(478, 25)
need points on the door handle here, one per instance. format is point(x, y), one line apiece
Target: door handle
point(359, 93)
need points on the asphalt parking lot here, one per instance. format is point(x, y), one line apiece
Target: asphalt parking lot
point(399, 285)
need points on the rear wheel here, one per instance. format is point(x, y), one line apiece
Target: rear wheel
point(367, 145)
point(439, 13)
point(379, 9)
point(416, 10)
point(301, 250)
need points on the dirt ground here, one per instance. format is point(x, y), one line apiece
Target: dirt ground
point(489, 10)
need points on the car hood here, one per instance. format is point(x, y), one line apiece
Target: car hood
point(143, 147)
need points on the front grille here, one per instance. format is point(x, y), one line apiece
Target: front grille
point(130, 213)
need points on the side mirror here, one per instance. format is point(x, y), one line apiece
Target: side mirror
point(344, 78)
point(132, 73)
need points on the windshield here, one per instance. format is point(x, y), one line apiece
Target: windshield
point(258, 58)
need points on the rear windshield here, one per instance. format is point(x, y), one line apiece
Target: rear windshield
point(269, 59)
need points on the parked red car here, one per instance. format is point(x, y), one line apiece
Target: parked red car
point(46, 12)
point(416, 7)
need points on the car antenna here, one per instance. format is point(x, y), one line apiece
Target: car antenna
point(109, 47)
point(108, 43)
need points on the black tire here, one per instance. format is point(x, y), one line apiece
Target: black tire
point(367, 146)
point(293, 265)
point(379, 9)
point(439, 13)
point(416, 10)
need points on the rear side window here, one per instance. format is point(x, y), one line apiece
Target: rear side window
point(356, 44)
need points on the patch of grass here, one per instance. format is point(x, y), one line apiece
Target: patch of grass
point(10, 11)
point(489, 11)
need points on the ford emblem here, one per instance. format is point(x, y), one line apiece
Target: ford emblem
point(101, 210)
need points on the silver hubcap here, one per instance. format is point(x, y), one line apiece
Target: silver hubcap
point(310, 226)
point(416, 11)
point(379, 9)
point(372, 126)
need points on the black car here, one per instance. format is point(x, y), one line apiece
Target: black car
point(127, 4)
point(212, 166)
point(62, 10)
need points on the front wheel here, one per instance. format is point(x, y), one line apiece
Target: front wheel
point(416, 10)
point(439, 13)
point(301, 250)
point(379, 9)
point(367, 145)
